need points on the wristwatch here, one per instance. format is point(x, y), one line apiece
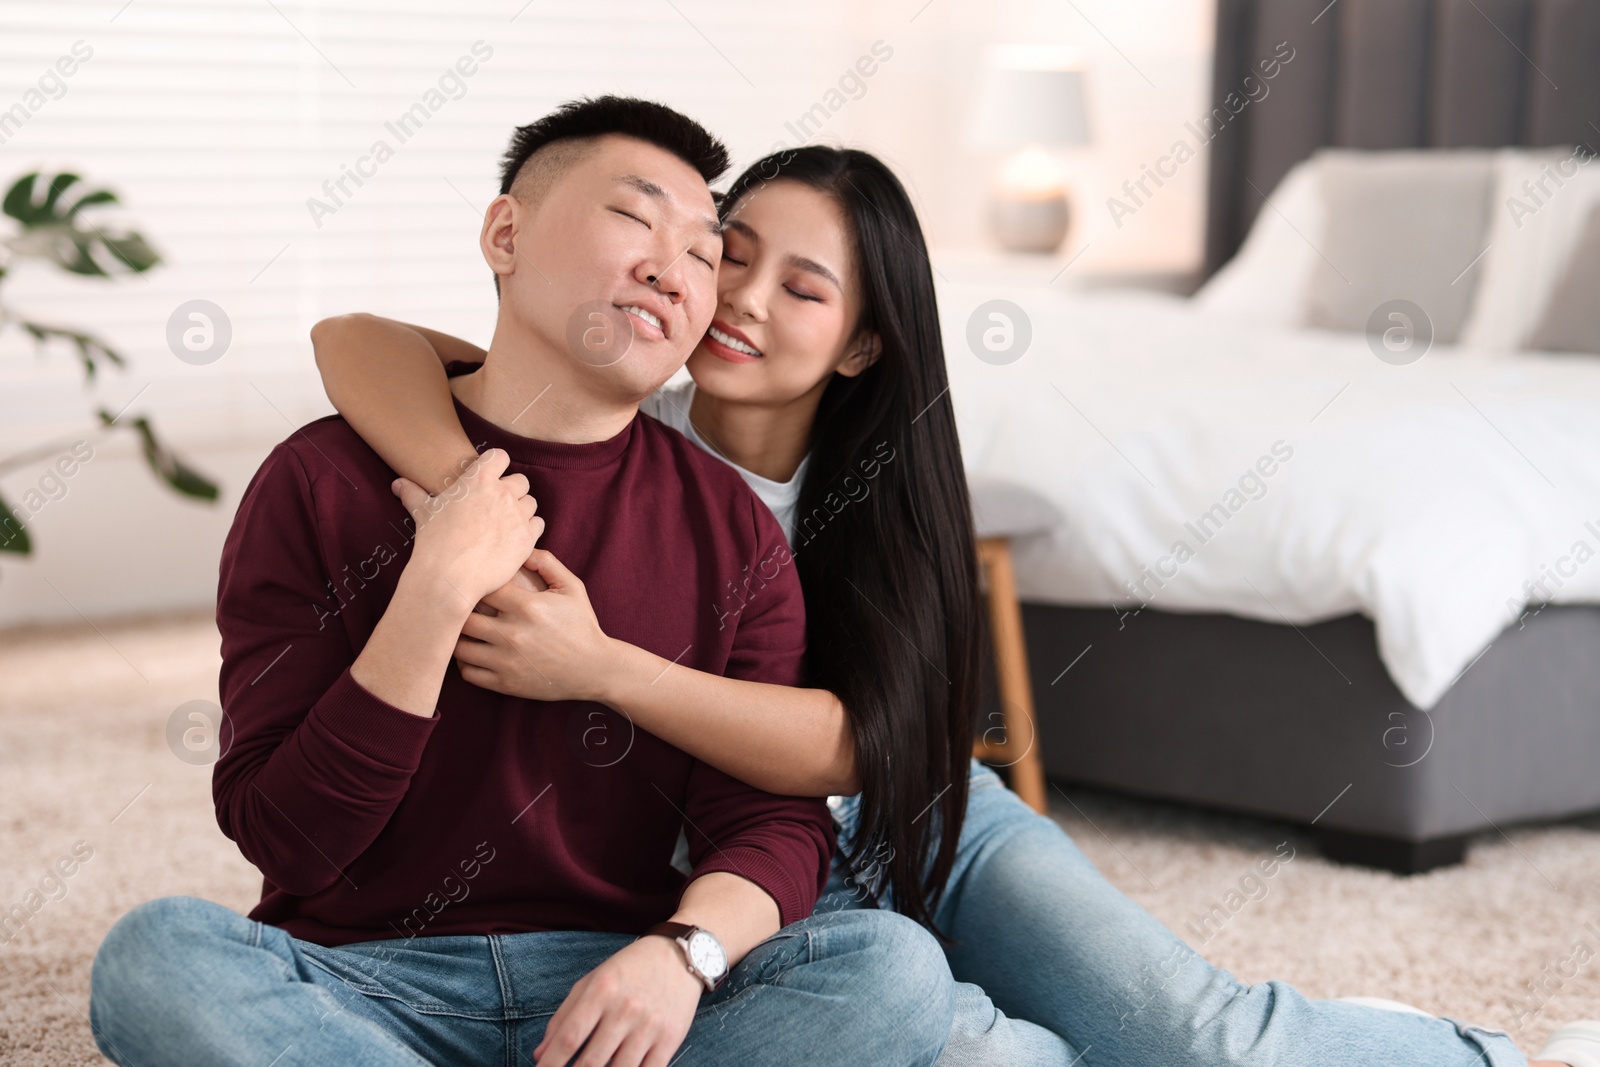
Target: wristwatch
point(702, 952)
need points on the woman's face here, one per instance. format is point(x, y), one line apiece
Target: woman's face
point(788, 300)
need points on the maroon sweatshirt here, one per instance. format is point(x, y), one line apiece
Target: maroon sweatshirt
point(497, 814)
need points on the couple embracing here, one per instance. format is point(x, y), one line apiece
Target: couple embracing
point(581, 719)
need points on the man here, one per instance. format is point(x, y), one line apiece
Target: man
point(458, 876)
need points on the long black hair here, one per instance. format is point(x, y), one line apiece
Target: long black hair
point(884, 544)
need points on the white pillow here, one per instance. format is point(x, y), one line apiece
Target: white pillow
point(1268, 279)
point(1531, 235)
point(1409, 224)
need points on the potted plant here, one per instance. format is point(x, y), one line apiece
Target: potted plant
point(51, 219)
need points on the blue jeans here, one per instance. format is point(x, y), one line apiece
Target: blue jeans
point(1055, 964)
point(179, 980)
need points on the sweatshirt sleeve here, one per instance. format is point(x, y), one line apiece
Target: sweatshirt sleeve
point(782, 844)
point(315, 765)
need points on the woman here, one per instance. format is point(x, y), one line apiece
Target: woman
point(822, 380)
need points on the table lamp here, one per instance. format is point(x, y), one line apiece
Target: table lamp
point(1030, 100)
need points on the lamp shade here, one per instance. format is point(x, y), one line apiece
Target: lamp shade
point(1029, 95)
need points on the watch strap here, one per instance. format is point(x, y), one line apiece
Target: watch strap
point(681, 932)
point(671, 929)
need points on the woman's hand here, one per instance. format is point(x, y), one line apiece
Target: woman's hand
point(542, 644)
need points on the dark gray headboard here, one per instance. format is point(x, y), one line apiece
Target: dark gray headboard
point(1392, 74)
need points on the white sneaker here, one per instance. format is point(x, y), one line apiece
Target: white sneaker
point(1390, 1005)
point(1576, 1043)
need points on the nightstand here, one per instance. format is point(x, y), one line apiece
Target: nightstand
point(1002, 511)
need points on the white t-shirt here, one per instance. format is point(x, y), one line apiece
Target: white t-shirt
point(670, 404)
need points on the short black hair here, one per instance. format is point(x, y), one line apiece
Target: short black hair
point(627, 116)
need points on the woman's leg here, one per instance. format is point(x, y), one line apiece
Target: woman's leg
point(1052, 941)
point(982, 1035)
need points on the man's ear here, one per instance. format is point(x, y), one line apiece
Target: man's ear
point(864, 352)
point(498, 238)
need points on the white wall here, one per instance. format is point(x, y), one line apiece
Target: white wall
point(217, 120)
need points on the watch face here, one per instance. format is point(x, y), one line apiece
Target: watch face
point(705, 952)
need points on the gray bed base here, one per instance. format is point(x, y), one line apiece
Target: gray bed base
point(1305, 725)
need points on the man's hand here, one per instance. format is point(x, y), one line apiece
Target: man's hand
point(470, 539)
point(634, 1010)
point(541, 641)
point(475, 534)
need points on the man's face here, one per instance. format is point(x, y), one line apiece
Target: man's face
point(616, 265)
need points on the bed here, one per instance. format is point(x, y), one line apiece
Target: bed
point(1327, 566)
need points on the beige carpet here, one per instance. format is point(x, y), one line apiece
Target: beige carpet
point(84, 757)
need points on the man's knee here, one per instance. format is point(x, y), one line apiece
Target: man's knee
point(157, 927)
point(904, 975)
point(135, 967)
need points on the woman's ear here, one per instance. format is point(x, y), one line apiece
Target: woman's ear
point(498, 238)
point(864, 352)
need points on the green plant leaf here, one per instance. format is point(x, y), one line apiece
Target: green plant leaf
point(13, 535)
point(89, 347)
point(53, 230)
point(58, 185)
point(165, 463)
point(99, 196)
point(133, 250)
point(19, 198)
point(51, 213)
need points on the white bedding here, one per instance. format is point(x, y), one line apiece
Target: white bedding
point(1426, 496)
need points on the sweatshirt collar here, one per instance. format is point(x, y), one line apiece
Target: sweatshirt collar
point(532, 452)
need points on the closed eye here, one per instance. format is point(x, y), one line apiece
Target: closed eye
point(631, 215)
point(803, 296)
